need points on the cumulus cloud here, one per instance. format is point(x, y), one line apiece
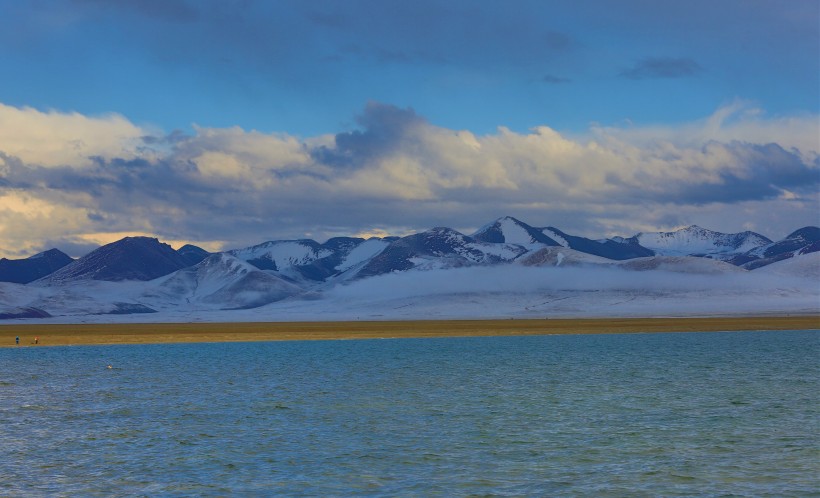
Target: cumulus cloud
point(51, 138)
point(397, 172)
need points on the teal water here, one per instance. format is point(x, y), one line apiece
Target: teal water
point(716, 414)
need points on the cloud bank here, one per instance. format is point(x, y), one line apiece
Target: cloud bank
point(77, 181)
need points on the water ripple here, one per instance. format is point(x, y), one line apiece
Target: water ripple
point(724, 414)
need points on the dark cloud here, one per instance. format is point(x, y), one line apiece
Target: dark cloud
point(73, 246)
point(765, 172)
point(385, 127)
point(662, 67)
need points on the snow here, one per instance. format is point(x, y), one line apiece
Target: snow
point(219, 281)
point(803, 265)
point(285, 254)
point(697, 240)
point(505, 252)
point(681, 264)
point(362, 252)
point(514, 233)
point(462, 279)
point(555, 256)
point(673, 288)
point(554, 236)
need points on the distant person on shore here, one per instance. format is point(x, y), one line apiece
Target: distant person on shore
point(17, 340)
point(36, 340)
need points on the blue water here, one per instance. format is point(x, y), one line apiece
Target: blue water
point(716, 414)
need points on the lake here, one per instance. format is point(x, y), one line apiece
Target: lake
point(729, 413)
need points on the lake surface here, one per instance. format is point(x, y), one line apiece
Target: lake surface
point(715, 414)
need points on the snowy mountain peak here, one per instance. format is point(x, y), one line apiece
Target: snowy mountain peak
point(698, 241)
point(282, 255)
point(512, 231)
point(544, 265)
point(803, 241)
point(438, 248)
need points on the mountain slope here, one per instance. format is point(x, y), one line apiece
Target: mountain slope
point(697, 241)
point(607, 248)
point(681, 264)
point(220, 281)
point(192, 254)
point(132, 258)
point(512, 231)
point(562, 256)
point(23, 271)
point(802, 241)
point(436, 249)
point(307, 260)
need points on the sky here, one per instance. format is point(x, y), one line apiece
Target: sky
point(229, 123)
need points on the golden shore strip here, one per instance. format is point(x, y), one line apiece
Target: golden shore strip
point(156, 333)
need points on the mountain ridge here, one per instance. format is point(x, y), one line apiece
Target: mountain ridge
point(505, 265)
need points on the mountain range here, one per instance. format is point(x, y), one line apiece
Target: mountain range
point(138, 275)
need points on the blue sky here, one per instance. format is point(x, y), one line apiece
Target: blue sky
point(189, 119)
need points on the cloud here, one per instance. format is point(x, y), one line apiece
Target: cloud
point(56, 138)
point(397, 172)
point(738, 120)
point(662, 67)
point(384, 128)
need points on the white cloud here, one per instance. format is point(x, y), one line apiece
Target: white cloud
point(734, 168)
point(737, 121)
point(56, 139)
point(27, 219)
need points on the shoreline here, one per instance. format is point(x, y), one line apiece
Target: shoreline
point(166, 333)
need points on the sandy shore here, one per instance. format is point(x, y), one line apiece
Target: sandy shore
point(143, 333)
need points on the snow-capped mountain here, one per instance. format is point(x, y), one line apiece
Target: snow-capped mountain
point(220, 280)
point(132, 258)
point(23, 271)
point(606, 248)
point(436, 249)
point(309, 260)
point(512, 231)
point(507, 259)
point(803, 241)
point(697, 241)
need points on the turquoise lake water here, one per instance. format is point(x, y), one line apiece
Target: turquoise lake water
point(715, 414)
